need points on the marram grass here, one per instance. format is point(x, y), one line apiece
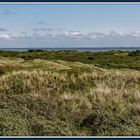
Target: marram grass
point(59, 98)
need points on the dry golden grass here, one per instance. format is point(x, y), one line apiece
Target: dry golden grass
point(65, 98)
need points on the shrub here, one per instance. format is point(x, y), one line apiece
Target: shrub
point(134, 53)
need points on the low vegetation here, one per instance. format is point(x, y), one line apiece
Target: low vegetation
point(58, 94)
point(109, 59)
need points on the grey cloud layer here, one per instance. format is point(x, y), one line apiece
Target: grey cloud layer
point(75, 39)
point(78, 34)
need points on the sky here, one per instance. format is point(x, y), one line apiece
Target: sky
point(69, 26)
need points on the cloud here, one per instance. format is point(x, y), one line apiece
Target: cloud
point(93, 35)
point(3, 30)
point(104, 36)
point(4, 36)
point(73, 34)
point(74, 39)
point(43, 29)
point(113, 35)
point(7, 36)
point(134, 34)
point(77, 35)
point(64, 40)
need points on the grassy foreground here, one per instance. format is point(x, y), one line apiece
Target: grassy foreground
point(57, 97)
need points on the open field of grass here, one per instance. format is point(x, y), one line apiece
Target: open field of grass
point(69, 93)
point(109, 59)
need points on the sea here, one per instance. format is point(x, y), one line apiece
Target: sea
point(99, 49)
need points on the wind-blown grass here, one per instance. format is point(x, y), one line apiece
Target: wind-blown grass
point(52, 98)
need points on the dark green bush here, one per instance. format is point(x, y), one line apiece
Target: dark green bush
point(134, 53)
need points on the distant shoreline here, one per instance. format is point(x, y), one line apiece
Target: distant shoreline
point(76, 49)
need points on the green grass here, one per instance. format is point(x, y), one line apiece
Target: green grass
point(111, 59)
point(69, 93)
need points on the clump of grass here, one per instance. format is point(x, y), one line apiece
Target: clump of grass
point(113, 105)
point(44, 83)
